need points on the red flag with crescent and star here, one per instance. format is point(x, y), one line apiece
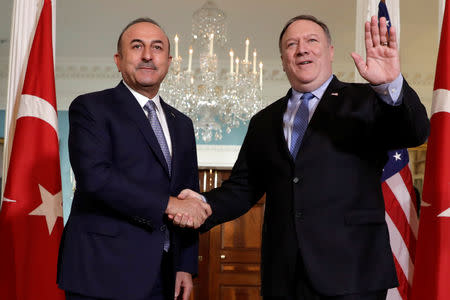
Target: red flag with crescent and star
point(31, 220)
point(432, 267)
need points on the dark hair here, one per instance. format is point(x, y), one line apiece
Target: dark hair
point(136, 21)
point(308, 18)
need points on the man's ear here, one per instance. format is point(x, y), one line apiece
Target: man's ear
point(332, 52)
point(117, 58)
point(282, 64)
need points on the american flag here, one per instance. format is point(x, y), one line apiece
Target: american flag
point(402, 220)
point(401, 209)
point(383, 12)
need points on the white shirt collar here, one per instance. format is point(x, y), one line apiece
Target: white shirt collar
point(318, 93)
point(142, 100)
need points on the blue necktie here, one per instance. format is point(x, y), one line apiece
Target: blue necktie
point(150, 108)
point(300, 123)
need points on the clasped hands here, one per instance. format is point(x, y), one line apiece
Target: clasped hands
point(188, 209)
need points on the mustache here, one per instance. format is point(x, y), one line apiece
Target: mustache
point(147, 65)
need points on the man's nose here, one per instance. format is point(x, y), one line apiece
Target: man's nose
point(302, 48)
point(146, 54)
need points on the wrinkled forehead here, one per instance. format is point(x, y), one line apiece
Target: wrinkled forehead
point(303, 28)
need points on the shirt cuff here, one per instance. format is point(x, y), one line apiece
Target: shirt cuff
point(203, 198)
point(390, 93)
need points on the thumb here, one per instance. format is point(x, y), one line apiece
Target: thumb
point(184, 194)
point(177, 288)
point(359, 63)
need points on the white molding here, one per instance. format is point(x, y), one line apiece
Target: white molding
point(75, 77)
point(217, 156)
point(96, 71)
point(86, 71)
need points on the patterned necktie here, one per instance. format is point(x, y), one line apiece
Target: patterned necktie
point(150, 108)
point(300, 123)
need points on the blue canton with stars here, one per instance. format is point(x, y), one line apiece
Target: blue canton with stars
point(398, 159)
point(383, 12)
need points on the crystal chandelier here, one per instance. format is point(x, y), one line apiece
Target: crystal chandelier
point(213, 98)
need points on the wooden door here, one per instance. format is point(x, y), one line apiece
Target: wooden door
point(229, 254)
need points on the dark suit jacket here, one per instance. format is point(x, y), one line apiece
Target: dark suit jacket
point(327, 204)
point(113, 241)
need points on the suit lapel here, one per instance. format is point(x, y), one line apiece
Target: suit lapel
point(173, 131)
point(324, 110)
point(279, 111)
point(129, 105)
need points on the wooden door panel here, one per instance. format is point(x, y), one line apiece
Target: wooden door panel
point(239, 268)
point(230, 253)
point(239, 293)
point(244, 232)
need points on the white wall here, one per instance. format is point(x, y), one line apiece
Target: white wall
point(87, 31)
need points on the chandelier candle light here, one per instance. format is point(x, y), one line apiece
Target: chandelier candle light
point(213, 99)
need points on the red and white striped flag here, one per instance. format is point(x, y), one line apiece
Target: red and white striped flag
point(401, 209)
point(31, 217)
point(431, 280)
point(401, 217)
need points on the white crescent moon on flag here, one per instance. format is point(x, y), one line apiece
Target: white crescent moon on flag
point(445, 213)
point(441, 101)
point(33, 106)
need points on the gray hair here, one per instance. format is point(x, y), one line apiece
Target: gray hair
point(136, 21)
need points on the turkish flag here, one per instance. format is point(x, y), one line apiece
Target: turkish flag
point(432, 267)
point(31, 221)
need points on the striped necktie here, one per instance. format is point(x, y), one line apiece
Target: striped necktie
point(150, 108)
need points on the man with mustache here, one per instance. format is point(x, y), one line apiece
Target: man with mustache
point(131, 153)
point(318, 154)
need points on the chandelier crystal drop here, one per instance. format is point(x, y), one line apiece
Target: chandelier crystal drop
point(206, 20)
point(210, 96)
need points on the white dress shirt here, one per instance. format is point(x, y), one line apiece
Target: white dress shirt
point(142, 100)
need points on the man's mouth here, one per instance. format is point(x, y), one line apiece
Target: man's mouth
point(147, 67)
point(306, 62)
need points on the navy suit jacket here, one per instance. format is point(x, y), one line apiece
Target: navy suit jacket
point(113, 241)
point(325, 204)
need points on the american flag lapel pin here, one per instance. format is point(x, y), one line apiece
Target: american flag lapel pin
point(334, 94)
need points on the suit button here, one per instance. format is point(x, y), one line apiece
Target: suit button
point(295, 180)
point(163, 228)
point(298, 214)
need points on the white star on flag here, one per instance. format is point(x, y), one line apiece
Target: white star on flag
point(51, 208)
point(397, 156)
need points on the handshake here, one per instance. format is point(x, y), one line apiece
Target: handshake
point(188, 209)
